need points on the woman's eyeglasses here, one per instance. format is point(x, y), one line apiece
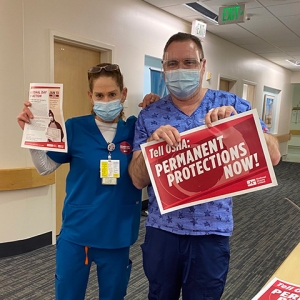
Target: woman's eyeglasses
point(108, 68)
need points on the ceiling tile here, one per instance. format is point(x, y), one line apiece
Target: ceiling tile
point(163, 3)
point(272, 31)
point(285, 9)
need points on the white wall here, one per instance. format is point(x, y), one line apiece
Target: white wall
point(135, 29)
point(296, 77)
point(23, 213)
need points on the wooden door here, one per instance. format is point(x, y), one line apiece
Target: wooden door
point(224, 85)
point(70, 68)
point(228, 85)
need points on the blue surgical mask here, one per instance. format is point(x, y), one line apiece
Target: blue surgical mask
point(182, 83)
point(108, 111)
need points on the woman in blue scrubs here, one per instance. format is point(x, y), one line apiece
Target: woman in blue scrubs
point(102, 208)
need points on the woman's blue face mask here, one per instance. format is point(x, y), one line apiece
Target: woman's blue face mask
point(108, 111)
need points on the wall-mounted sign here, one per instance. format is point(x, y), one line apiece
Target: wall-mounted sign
point(199, 29)
point(232, 14)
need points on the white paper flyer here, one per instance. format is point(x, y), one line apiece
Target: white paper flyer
point(46, 130)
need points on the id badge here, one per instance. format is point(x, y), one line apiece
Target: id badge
point(109, 171)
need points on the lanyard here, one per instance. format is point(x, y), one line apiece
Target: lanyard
point(110, 147)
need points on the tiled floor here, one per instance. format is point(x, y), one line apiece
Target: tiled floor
point(293, 154)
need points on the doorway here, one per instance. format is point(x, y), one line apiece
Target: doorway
point(227, 84)
point(249, 93)
point(71, 62)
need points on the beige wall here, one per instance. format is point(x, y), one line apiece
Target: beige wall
point(133, 28)
point(296, 77)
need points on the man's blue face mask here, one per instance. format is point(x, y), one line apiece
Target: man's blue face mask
point(182, 83)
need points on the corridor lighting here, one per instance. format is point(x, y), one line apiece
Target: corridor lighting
point(203, 11)
point(294, 62)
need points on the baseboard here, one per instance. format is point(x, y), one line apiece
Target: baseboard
point(24, 246)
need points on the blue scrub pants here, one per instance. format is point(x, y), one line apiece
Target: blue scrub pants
point(197, 265)
point(72, 272)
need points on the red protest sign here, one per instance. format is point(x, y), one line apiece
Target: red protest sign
point(228, 159)
point(279, 290)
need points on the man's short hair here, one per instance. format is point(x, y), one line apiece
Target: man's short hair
point(182, 37)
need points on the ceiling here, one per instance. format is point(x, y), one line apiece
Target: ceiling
point(271, 29)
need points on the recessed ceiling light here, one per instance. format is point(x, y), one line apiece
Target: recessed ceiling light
point(294, 62)
point(195, 6)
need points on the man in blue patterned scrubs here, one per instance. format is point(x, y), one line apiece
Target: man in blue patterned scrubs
point(187, 250)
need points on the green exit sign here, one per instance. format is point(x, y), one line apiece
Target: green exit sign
point(232, 14)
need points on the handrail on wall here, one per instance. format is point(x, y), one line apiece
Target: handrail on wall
point(283, 137)
point(23, 178)
point(295, 132)
point(27, 178)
